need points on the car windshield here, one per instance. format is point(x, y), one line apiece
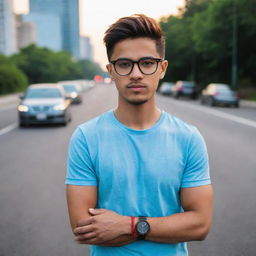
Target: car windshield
point(222, 89)
point(35, 93)
point(69, 88)
point(188, 84)
point(167, 85)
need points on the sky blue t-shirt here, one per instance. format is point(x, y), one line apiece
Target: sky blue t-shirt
point(138, 172)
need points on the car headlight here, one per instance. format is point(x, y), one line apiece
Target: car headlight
point(73, 95)
point(59, 107)
point(23, 108)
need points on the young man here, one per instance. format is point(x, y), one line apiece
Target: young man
point(138, 178)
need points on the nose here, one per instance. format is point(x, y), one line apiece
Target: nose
point(136, 73)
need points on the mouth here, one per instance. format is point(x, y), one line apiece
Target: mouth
point(136, 87)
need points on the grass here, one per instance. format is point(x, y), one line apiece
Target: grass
point(252, 98)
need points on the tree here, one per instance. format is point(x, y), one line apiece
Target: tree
point(42, 65)
point(90, 69)
point(199, 41)
point(12, 79)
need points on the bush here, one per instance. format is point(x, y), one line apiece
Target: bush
point(12, 79)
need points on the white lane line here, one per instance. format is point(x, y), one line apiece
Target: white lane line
point(224, 115)
point(8, 128)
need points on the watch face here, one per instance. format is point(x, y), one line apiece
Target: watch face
point(142, 227)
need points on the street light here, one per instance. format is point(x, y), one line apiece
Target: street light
point(234, 48)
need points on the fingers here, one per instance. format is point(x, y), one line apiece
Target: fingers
point(86, 238)
point(96, 211)
point(82, 230)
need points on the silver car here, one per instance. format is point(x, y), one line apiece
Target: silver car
point(44, 103)
point(166, 88)
point(219, 94)
point(72, 90)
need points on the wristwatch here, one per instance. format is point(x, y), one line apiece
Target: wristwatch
point(142, 228)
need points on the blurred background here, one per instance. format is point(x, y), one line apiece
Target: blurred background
point(53, 78)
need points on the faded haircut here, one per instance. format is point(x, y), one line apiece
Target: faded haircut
point(135, 26)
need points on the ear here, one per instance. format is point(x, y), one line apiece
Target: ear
point(164, 65)
point(110, 71)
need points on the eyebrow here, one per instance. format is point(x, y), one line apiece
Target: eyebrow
point(145, 57)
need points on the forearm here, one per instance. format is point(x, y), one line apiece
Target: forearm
point(120, 241)
point(180, 227)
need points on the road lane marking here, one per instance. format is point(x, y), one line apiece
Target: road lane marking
point(8, 128)
point(224, 115)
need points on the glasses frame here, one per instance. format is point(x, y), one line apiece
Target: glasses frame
point(113, 62)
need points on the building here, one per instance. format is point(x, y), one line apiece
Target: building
point(70, 25)
point(8, 36)
point(57, 24)
point(86, 50)
point(26, 32)
point(48, 30)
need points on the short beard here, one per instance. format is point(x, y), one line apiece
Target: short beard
point(136, 103)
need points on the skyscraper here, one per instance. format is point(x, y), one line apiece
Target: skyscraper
point(8, 37)
point(86, 50)
point(26, 32)
point(70, 28)
point(57, 24)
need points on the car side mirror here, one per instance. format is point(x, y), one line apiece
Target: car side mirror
point(22, 96)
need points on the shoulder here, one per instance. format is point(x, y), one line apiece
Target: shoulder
point(180, 126)
point(93, 126)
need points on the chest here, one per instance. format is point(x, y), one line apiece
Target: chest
point(151, 161)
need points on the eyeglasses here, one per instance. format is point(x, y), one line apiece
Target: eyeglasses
point(147, 65)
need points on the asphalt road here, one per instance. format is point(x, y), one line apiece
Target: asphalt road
point(33, 213)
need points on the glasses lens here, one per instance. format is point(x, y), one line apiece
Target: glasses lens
point(123, 67)
point(148, 66)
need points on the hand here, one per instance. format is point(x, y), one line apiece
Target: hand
point(104, 225)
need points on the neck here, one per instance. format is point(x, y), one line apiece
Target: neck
point(138, 117)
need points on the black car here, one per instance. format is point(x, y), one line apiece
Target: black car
point(184, 89)
point(44, 103)
point(219, 94)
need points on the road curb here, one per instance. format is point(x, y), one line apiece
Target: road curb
point(247, 103)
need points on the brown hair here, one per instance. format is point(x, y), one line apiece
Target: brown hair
point(135, 26)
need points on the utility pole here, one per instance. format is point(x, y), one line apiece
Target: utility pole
point(234, 48)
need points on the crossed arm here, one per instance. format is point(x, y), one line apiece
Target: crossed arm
point(105, 227)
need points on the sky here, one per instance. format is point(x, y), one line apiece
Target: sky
point(97, 15)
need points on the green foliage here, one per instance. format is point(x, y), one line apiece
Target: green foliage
point(11, 79)
point(89, 69)
point(199, 41)
point(35, 64)
point(42, 65)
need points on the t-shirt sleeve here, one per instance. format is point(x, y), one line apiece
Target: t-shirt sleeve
point(196, 172)
point(80, 170)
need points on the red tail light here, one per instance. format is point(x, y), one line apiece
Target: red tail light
point(237, 96)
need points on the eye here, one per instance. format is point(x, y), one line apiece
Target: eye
point(147, 63)
point(123, 64)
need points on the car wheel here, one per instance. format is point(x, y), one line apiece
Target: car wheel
point(236, 105)
point(65, 122)
point(211, 102)
point(22, 125)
